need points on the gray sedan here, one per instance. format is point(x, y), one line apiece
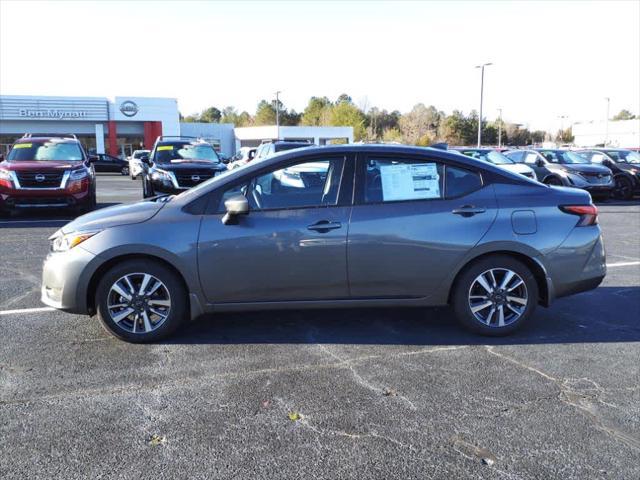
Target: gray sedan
point(342, 226)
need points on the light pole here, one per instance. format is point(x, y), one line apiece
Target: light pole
point(481, 67)
point(606, 128)
point(500, 128)
point(278, 115)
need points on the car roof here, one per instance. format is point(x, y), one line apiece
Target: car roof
point(46, 139)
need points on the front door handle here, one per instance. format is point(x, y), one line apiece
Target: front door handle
point(323, 226)
point(468, 210)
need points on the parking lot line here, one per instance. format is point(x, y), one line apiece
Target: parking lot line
point(27, 310)
point(622, 264)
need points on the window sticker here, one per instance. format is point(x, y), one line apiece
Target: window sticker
point(410, 181)
point(164, 147)
point(22, 145)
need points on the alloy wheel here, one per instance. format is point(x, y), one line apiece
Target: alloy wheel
point(498, 297)
point(138, 303)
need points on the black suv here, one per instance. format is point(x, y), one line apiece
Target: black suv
point(566, 168)
point(179, 163)
point(269, 148)
point(625, 165)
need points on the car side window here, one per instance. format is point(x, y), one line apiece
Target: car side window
point(530, 158)
point(460, 181)
point(597, 158)
point(400, 179)
point(312, 183)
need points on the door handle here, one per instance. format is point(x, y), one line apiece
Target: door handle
point(468, 210)
point(323, 226)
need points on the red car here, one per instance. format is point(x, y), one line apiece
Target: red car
point(47, 172)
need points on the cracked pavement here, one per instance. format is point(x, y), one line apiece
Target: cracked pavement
point(379, 393)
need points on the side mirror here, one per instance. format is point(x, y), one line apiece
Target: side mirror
point(236, 205)
point(93, 158)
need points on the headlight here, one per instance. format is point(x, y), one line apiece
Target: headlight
point(62, 243)
point(6, 178)
point(160, 174)
point(633, 170)
point(78, 174)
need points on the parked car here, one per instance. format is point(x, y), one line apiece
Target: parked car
point(179, 163)
point(497, 158)
point(108, 163)
point(566, 168)
point(269, 148)
point(625, 165)
point(386, 226)
point(242, 157)
point(136, 165)
point(47, 172)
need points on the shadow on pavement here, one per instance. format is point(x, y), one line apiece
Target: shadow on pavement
point(608, 314)
point(44, 218)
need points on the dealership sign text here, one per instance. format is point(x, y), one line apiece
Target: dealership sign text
point(53, 113)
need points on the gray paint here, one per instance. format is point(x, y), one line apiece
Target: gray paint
point(406, 253)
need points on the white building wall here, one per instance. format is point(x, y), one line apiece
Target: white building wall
point(621, 133)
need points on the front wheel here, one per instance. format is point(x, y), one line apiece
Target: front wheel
point(495, 296)
point(623, 189)
point(141, 301)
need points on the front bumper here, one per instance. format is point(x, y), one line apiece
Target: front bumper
point(65, 278)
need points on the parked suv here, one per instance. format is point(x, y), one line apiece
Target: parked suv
point(566, 168)
point(269, 148)
point(336, 226)
point(625, 165)
point(47, 172)
point(179, 163)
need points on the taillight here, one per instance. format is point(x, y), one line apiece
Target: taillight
point(588, 214)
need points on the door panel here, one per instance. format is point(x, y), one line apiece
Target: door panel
point(407, 248)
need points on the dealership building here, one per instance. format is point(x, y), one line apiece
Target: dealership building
point(124, 124)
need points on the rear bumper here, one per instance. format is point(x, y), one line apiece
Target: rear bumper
point(579, 264)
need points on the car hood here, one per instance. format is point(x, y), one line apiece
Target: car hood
point(584, 168)
point(516, 167)
point(39, 166)
point(115, 216)
point(176, 167)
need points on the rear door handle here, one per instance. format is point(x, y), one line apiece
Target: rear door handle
point(468, 210)
point(323, 226)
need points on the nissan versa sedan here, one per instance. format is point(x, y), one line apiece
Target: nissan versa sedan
point(377, 225)
point(564, 167)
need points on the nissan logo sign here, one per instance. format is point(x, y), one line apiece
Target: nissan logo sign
point(128, 108)
point(195, 178)
point(39, 177)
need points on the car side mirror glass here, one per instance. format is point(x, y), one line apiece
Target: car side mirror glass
point(236, 205)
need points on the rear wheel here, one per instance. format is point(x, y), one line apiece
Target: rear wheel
point(125, 170)
point(495, 296)
point(141, 301)
point(623, 189)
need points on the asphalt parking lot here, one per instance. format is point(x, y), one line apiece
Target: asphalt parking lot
point(321, 394)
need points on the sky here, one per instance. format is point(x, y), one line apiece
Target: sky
point(550, 59)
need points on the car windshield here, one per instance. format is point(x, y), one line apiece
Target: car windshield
point(563, 156)
point(627, 156)
point(140, 154)
point(43, 151)
point(185, 152)
point(490, 156)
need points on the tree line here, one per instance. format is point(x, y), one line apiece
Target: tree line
point(423, 125)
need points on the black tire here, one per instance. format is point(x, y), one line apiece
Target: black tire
point(178, 312)
point(466, 281)
point(555, 181)
point(147, 190)
point(624, 188)
point(125, 170)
